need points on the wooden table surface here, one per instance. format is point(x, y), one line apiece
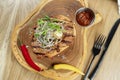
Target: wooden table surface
point(14, 11)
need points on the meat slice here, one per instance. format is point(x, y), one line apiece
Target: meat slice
point(40, 50)
point(68, 32)
point(35, 44)
point(61, 44)
point(68, 39)
point(68, 29)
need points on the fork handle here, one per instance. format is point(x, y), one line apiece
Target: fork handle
point(86, 74)
point(97, 66)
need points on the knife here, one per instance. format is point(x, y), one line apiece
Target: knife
point(107, 43)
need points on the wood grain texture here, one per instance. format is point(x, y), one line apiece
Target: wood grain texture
point(14, 11)
point(75, 54)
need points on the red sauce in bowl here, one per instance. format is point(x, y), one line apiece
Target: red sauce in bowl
point(85, 16)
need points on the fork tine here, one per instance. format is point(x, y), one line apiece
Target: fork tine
point(97, 42)
point(103, 40)
point(100, 40)
point(97, 38)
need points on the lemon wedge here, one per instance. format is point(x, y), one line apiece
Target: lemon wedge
point(67, 67)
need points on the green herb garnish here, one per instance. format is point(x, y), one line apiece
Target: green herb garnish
point(36, 35)
point(48, 29)
point(40, 22)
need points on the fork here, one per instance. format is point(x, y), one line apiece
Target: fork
point(95, 50)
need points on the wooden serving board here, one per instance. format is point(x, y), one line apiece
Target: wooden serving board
point(75, 56)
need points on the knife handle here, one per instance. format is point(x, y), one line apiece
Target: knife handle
point(97, 66)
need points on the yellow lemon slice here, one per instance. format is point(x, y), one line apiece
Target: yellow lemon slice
point(67, 67)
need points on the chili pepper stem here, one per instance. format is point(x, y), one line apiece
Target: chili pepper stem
point(20, 42)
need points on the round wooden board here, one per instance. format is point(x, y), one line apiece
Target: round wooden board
point(79, 49)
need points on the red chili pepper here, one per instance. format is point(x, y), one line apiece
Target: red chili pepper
point(28, 58)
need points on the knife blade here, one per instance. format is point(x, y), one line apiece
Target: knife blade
point(107, 43)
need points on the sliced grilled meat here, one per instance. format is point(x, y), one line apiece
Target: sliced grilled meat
point(40, 50)
point(35, 44)
point(69, 38)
